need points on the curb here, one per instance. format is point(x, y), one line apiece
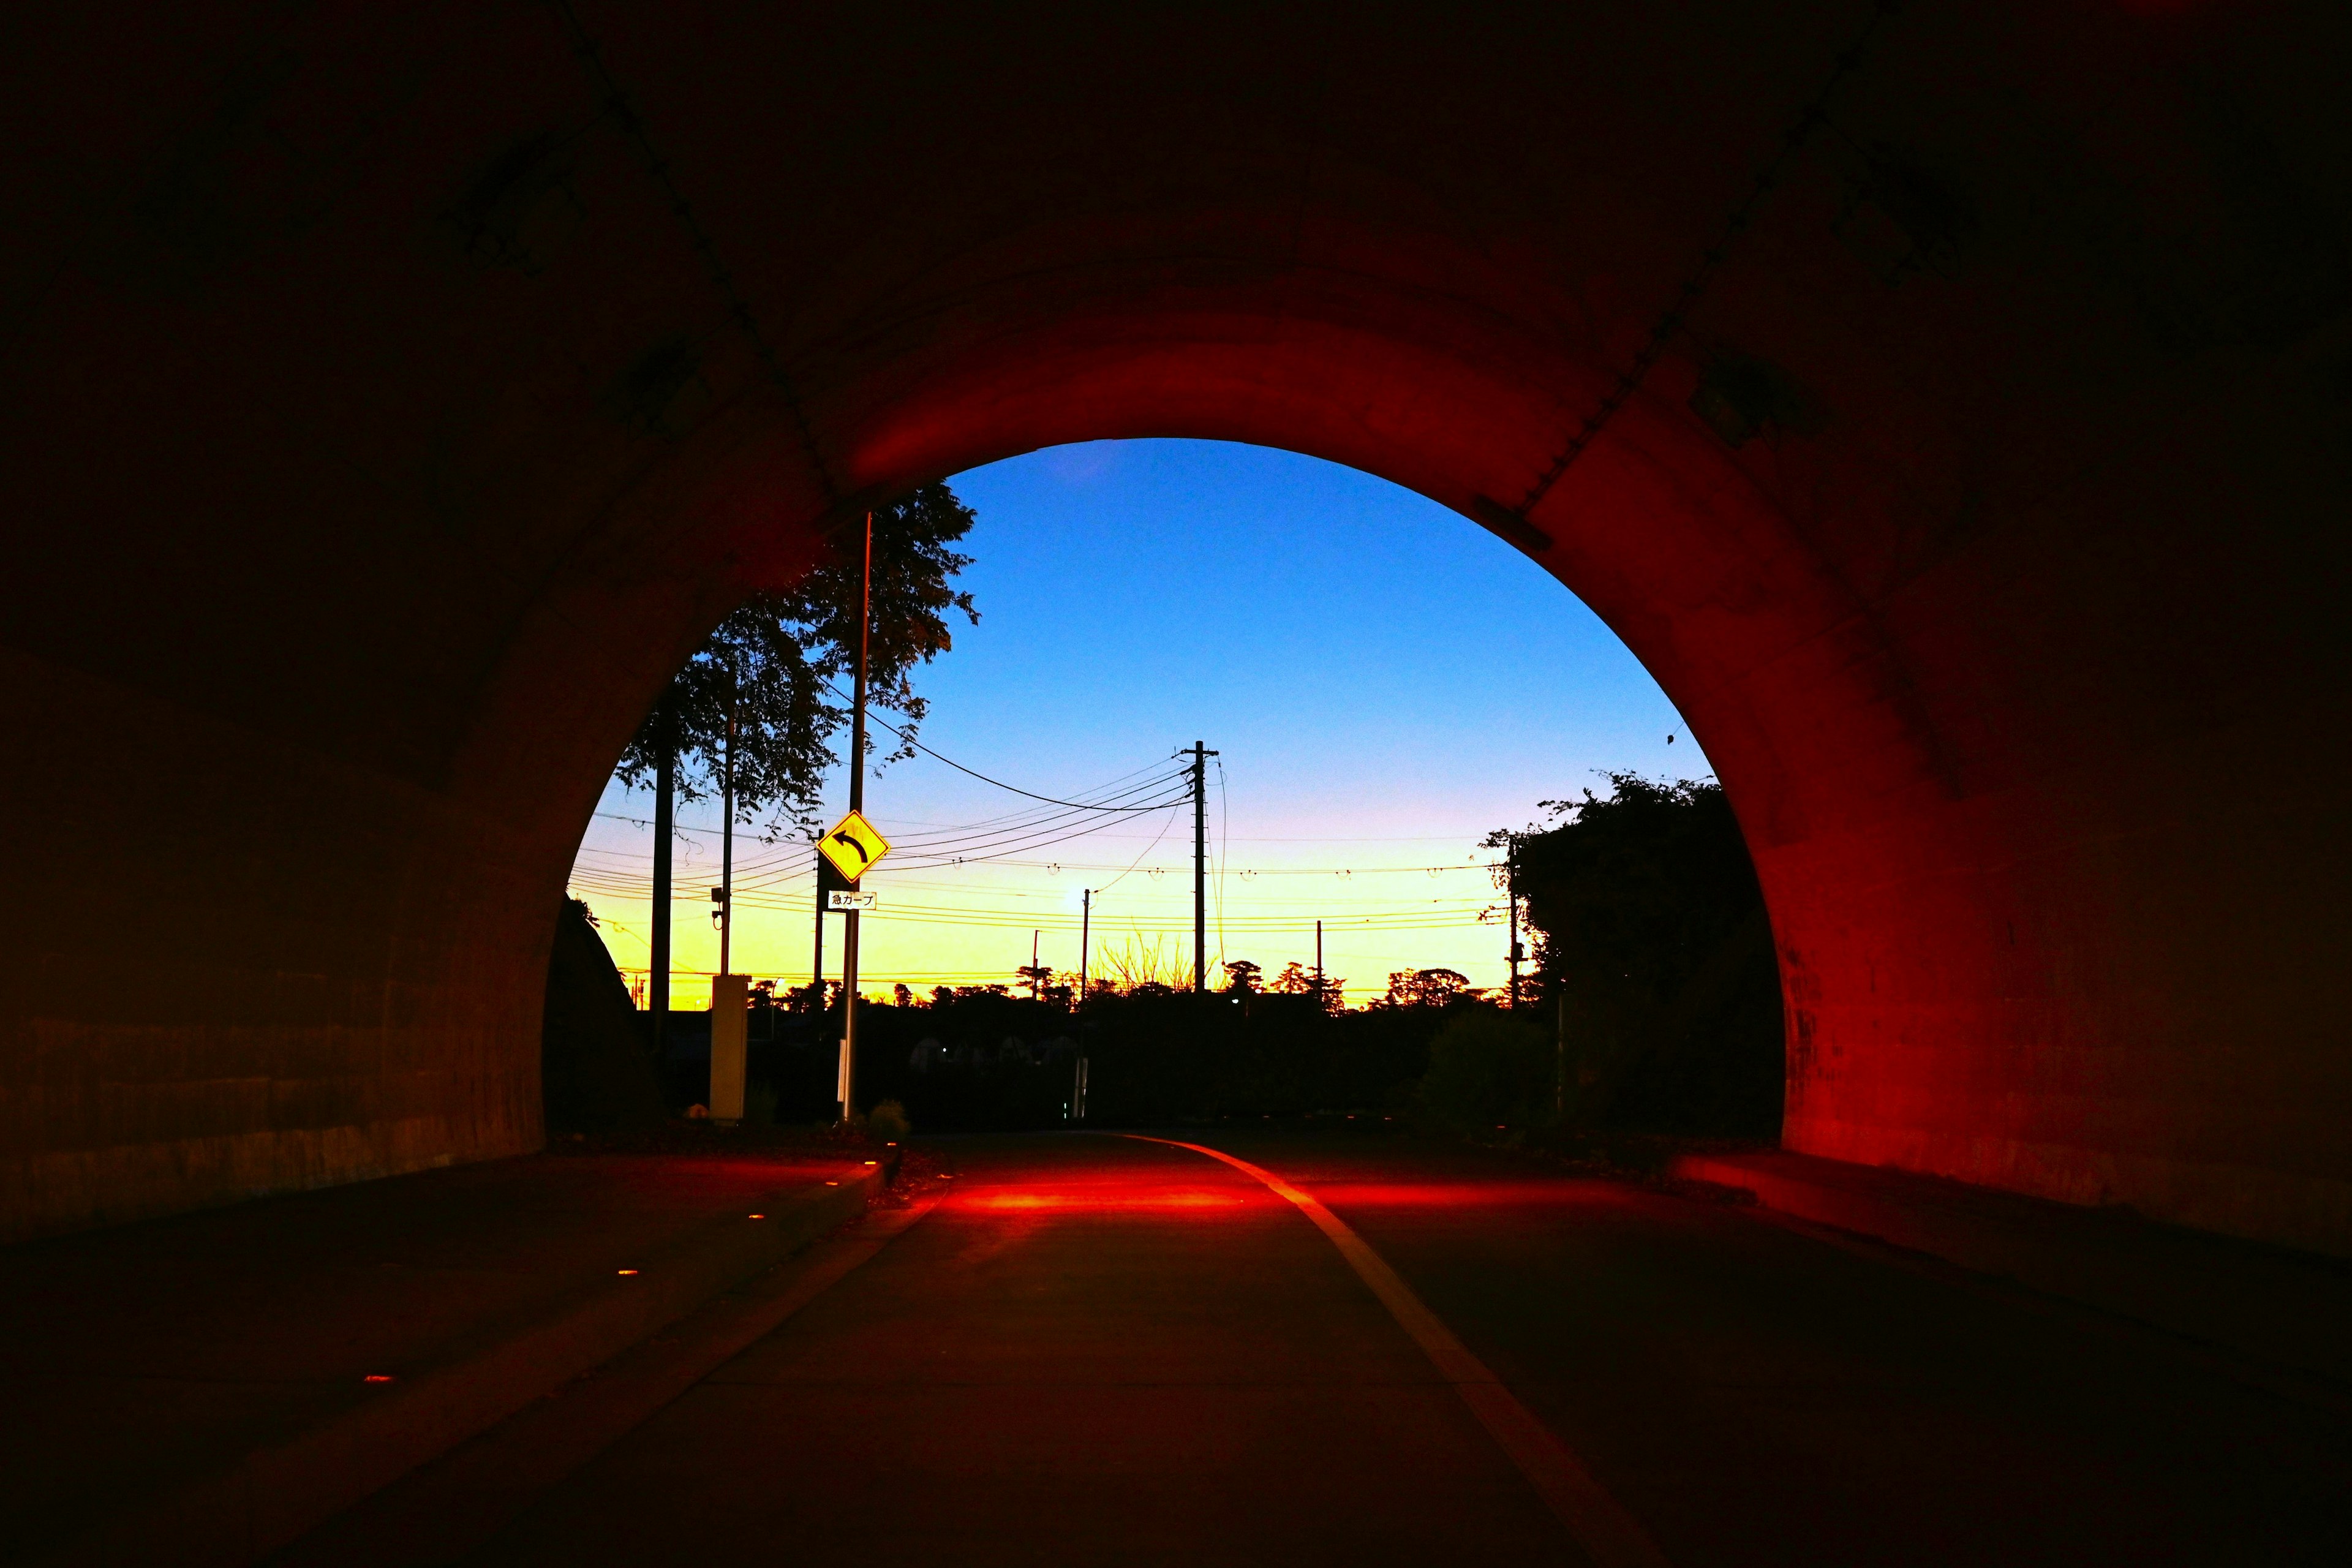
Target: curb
point(264, 1499)
point(2273, 1305)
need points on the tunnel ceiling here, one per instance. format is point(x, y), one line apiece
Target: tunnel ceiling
point(1946, 402)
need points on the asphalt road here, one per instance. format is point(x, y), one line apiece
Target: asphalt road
point(1100, 1351)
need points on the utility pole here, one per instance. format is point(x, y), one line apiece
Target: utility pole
point(1511, 892)
point(727, 848)
point(728, 1020)
point(1559, 1063)
point(857, 803)
point(665, 829)
point(1201, 756)
point(1085, 950)
point(1320, 1000)
point(1036, 985)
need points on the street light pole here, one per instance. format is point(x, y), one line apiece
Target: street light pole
point(857, 803)
point(665, 831)
point(1511, 892)
point(727, 848)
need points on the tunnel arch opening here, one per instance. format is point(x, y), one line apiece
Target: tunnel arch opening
point(1278, 589)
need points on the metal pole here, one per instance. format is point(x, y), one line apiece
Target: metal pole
point(1560, 1060)
point(665, 830)
point(1085, 948)
point(727, 850)
point(848, 1013)
point(1322, 994)
point(857, 803)
point(1511, 890)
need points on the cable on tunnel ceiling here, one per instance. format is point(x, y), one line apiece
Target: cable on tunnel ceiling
point(1695, 284)
point(657, 167)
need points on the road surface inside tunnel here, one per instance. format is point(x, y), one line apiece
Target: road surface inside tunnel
point(1096, 1348)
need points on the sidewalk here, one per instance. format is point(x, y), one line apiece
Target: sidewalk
point(2288, 1308)
point(206, 1386)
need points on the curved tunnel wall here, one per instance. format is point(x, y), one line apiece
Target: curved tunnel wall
point(396, 401)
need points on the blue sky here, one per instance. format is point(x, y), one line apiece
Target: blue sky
point(1384, 680)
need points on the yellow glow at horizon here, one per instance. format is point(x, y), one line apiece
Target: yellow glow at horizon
point(971, 924)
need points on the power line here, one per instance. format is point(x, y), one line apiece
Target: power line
point(999, 783)
point(975, 853)
point(1103, 793)
point(938, 843)
point(1131, 865)
point(1247, 873)
point(1021, 831)
point(1456, 838)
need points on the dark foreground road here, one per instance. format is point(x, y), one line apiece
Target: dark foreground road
point(1101, 1351)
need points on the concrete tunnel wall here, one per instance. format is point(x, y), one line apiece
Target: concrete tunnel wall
point(395, 398)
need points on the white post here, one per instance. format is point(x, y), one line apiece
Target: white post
point(728, 1023)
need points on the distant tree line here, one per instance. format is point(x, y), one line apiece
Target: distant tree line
point(1653, 1006)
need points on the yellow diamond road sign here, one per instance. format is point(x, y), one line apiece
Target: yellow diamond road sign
point(852, 846)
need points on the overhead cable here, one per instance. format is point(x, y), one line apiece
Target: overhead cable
point(959, 767)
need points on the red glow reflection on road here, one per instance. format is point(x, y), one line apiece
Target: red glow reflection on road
point(1467, 1194)
point(1107, 1198)
point(1130, 1197)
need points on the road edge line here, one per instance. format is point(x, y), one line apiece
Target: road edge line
point(269, 1497)
point(1601, 1525)
point(526, 1456)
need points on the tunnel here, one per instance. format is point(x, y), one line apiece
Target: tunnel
point(1949, 403)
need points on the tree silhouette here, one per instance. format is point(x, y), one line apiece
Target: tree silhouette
point(763, 692)
point(1427, 988)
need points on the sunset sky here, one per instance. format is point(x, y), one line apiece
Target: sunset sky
point(1384, 680)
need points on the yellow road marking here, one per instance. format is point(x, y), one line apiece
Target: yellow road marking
point(1613, 1537)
